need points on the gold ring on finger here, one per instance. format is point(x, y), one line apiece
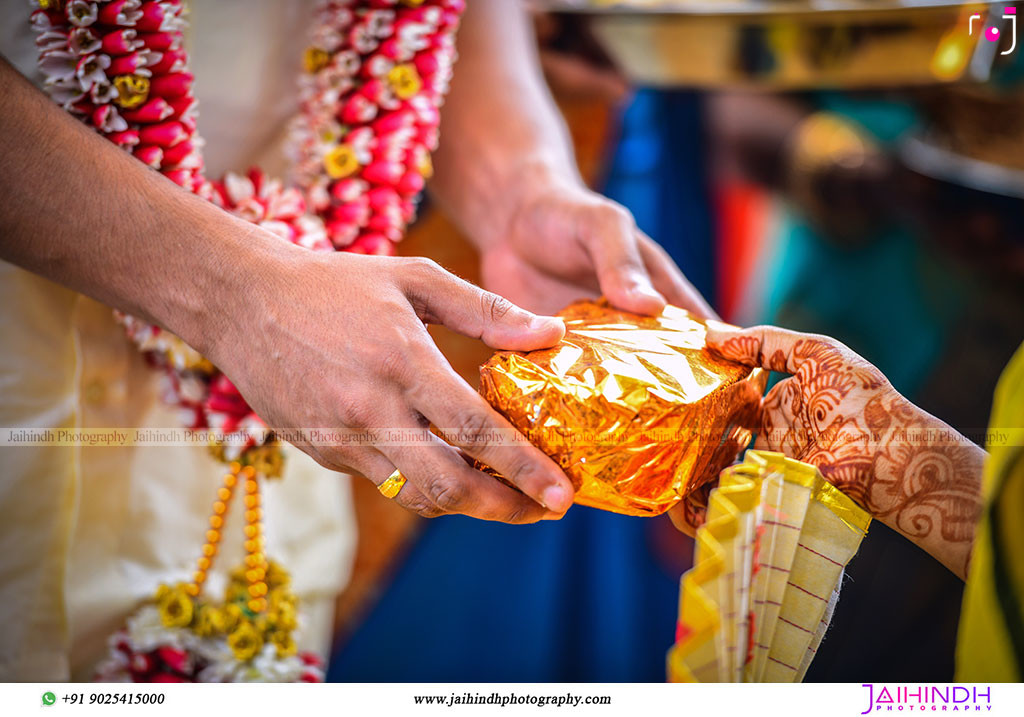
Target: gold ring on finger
point(391, 487)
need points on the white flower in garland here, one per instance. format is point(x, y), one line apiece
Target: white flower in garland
point(59, 65)
point(90, 69)
point(83, 41)
point(124, 13)
point(82, 13)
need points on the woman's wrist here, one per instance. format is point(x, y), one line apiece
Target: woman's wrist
point(929, 477)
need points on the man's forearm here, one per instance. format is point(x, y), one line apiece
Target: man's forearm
point(83, 213)
point(501, 128)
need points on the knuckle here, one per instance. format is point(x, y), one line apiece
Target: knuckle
point(519, 470)
point(392, 354)
point(470, 429)
point(333, 458)
point(421, 506)
point(448, 494)
point(363, 355)
point(393, 363)
point(520, 514)
point(430, 511)
point(354, 411)
point(392, 305)
point(494, 307)
point(337, 460)
point(422, 268)
point(614, 214)
point(319, 456)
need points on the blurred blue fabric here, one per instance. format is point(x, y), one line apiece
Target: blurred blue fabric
point(579, 600)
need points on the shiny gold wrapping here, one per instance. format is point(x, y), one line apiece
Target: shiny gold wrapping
point(634, 409)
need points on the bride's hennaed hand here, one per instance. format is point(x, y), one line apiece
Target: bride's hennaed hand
point(838, 412)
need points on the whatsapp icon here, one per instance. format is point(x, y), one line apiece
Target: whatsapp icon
point(49, 698)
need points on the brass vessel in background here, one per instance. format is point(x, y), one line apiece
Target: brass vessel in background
point(791, 44)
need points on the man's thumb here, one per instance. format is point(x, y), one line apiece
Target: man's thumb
point(469, 310)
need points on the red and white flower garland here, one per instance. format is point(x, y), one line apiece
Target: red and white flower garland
point(377, 72)
point(370, 115)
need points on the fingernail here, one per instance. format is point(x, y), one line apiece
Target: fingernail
point(556, 498)
point(646, 291)
point(544, 323)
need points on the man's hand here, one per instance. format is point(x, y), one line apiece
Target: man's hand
point(311, 340)
point(339, 341)
point(507, 176)
point(838, 412)
point(563, 242)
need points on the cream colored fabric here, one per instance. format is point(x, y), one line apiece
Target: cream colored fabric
point(772, 551)
point(38, 488)
point(784, 508)
point(247, 55)
point(87, 532)
point(734, 504)
point(826, 545)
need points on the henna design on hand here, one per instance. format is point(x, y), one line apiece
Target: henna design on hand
point(839, 413)
point(691, 512)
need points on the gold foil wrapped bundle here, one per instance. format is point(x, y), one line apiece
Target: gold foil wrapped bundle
point(766, 574)
point(635, 409)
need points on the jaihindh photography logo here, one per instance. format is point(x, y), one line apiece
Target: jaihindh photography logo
point(929, 698)
point(996, 27)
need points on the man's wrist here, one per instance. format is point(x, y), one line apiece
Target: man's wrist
point(490, 213)
point(211, 290)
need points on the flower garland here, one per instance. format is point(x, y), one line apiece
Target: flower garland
point(370, 113)
point(376, 75)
